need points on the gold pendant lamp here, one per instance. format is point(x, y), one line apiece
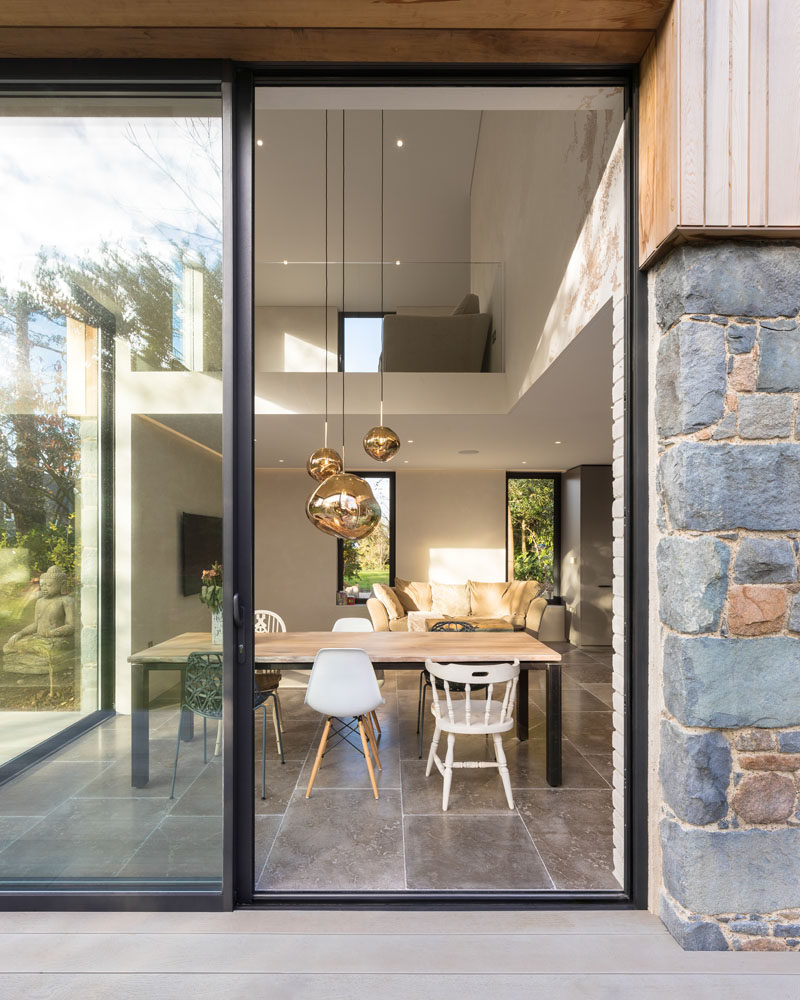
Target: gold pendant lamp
point(381, 442)
point(343, 505)
point(325, 461)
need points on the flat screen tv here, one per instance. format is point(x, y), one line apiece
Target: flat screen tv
point(201, 546)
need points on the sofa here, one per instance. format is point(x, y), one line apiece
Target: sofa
point(486, 605)
point(455, 343)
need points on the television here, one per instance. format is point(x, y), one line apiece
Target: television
point(201, 546)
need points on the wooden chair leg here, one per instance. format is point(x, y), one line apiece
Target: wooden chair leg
point(500, 755)
point(377, 724)
point(434, 747)
point(276, 722)
point(320, 752)
point(448, 770)
point(367, 757)
point(373, 742)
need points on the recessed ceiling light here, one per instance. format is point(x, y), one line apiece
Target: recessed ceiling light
point(410, 441)
point(280, 460)
point(397, 263)
point(405, 461)
point(469, 451)
point(259, 142)
point(398, 143)
point(556, 442)
point(285, 263)
point(524, 463)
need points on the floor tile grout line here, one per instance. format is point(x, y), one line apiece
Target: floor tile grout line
point(402, 800)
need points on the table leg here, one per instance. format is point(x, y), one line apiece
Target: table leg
point(553, 724)
point(140, 725)
point(522, 705)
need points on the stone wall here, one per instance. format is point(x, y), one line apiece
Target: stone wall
point(726, 350)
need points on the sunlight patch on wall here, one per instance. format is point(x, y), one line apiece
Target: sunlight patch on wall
point(460, 565)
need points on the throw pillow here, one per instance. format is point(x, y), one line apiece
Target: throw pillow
point(450, 599)
point(413, 595)
point(389, 600)
point(486, 599)
point(468, 306)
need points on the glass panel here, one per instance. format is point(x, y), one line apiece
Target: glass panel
point(367, 561)
point(110, 490)
point(362, 343)
point(531, 527)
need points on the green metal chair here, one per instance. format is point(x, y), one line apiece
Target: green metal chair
point(202, 694)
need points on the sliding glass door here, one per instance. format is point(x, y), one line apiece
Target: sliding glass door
point(111, 289)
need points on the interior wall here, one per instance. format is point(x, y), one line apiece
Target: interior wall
point(170, 475)
point(547, 200)
point(450, 527)
point(586, 545)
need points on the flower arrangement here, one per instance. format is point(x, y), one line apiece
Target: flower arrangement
point(211, 587)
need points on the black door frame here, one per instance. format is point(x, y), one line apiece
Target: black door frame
point(634, 894)
point(237, 82)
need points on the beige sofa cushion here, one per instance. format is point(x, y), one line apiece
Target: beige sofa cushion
point(450, 599)
point(413, 595)
point(520, 594)
point(399, 625)
point(487, 600)
point(389, 600)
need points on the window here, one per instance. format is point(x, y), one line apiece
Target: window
point(370, 560)
point(360, 341)
point(533, 508)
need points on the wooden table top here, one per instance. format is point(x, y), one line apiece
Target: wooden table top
point(382, 647)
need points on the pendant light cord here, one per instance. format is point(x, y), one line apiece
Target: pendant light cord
point(343, 266)
point(326, 277)
point(380, 366)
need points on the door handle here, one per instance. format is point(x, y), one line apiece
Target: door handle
point(237, 612)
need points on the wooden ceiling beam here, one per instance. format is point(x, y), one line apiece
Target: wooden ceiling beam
point(329, 45)
point(551, 15)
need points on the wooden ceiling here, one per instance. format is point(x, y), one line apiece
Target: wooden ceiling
point(444, 31)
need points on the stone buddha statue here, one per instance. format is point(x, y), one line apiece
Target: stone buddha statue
point(46, 644)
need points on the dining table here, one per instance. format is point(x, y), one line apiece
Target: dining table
point(387, 650)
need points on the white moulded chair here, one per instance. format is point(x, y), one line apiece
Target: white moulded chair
point(343, 686)
point(362, 625)
point(472, 716)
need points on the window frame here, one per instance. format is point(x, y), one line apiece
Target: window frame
point(556, 478)
point(391, 475)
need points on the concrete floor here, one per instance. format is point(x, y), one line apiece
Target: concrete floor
point(298, 955)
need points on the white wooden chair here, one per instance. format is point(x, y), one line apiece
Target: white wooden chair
point(268, 680)
point(472, 716)
point(362, 625)
point(343, 686)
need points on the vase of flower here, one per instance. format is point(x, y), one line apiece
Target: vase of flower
point(211, 596)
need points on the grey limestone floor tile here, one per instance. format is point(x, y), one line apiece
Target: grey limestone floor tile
point(281, 782)
point(603, 691)
point(108, 741)
point(589, 672)
point(344, 767)
point(115, 780)
point(365, 853)
point(83, 838)
point(264, 832)
point(203, 797)
point(572, 830)
point(473, 792)
point(37, 791)
point(13, 827)
point(179, 847)
point(574, 699)
point(527, 759)
point(602, 763)
point(590, 732)
point(472, 852)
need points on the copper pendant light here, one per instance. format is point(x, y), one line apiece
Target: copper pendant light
point(344, 506)
point(325, 461)
point(381, 442)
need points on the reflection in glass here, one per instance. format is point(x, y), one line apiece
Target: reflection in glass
point(110, 430)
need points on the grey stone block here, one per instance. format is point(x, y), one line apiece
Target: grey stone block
point(715, 871)
point(727, 486)
point(789, 742)
point(794, 614)
point(778, 324)
point(756, 927)
point(721, 683)
point(741, 337)
point(692, 582)
point(695, 770)
point(726, 428)
point(691, 935)
point(765, 560)
point(728, 279)
point(763, 416)
point(690, 378)
point(786, 930)
point(779, 361)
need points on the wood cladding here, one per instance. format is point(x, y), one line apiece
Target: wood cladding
point(329, 45)
point(567, 15)
point(720, 123)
